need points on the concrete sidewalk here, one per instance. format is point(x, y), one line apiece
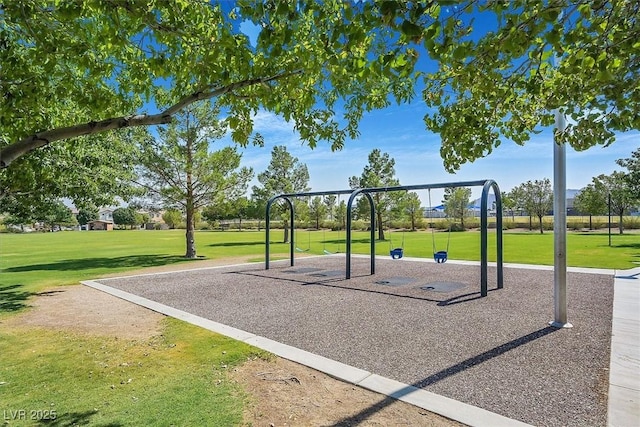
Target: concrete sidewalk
point(624, 375)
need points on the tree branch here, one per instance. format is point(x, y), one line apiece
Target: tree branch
point(209, 92)
point(14, 151)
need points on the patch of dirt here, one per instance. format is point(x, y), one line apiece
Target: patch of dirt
point(89, 311)
point(284, 393)
point(281, 393)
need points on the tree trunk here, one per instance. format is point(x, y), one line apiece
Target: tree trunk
point(413, 223)
point(590, 224)
point(190, 233)
point(620, 226)
point(240, 224)
point(190, 209)
point(540, 220)
point(286, 232)
point(380, 226)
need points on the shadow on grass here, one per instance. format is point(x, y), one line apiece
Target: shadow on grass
point(628, 245)
point(74, 419)
point(232, 244)
point(133, 261)
point(353, 241)
point(12, 298)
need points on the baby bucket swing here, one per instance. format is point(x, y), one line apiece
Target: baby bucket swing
point(438, 256)
point(395, 253)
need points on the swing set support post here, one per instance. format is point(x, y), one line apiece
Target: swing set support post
point(372, 238)
point(267, 224)
point(484, 225)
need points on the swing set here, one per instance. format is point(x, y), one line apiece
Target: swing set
point(439, 256)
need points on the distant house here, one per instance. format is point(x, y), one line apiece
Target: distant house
point(106, 214)
point(100, 224)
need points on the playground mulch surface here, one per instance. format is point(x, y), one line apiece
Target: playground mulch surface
point(497, 352)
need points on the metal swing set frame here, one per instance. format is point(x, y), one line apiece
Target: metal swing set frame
point(487, 185)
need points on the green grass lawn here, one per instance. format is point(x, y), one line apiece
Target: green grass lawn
point(583, 249)
point(85, 380)
point(37, 260)
point(66, 379)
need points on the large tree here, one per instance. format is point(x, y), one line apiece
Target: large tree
point(80, 67)
point(284, 174)
point(379, 172)
point(535, 197)
point(83, 67)
point(179, 169)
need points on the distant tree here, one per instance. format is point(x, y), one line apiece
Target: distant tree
point(411, 207)
point(56, 214)
point(622, 197)
point(509, 204)
point(179, 169)
point(330, 205)
point(517, 198)
point(590, 201)
point(341, 214)
point(219, 211)
point(87, 215)
point(125, 216)
point(240, 209)
point(16, 221)
point(536, 197)
point(633, 176)
point(285, 174)
point(379, 172)
point(142, 218)
point(256, 210)
point(172, 217)
point(317, 210)
point(456, 203)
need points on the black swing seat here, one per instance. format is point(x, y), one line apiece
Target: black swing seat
point(396, 253)
point(440, 257)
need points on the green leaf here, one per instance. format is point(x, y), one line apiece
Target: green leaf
point(410, 29)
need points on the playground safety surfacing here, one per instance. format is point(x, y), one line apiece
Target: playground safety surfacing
point(497, 353)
